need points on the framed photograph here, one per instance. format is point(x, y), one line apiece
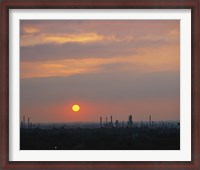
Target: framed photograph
point(100, 84)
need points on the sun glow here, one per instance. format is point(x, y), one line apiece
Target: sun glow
point(75, 108)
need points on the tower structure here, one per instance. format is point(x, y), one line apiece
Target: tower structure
point(100, 121)
point(123, 124)
point(150, 120)
point(130, 121)
point(116, 123)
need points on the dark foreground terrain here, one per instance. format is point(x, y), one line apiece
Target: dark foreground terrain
point(142, 138)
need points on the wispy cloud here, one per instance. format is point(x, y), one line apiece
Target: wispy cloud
point(72, 38)
point(66, 67)
point(30, 30)
point(91, 37)
point(147, 60)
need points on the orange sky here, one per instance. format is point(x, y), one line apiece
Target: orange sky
point(108, 67)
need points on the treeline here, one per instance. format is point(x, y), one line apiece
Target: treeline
point(100, 139)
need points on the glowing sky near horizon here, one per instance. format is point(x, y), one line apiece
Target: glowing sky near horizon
point(107, 67)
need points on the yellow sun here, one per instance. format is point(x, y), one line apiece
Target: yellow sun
point(75, 108)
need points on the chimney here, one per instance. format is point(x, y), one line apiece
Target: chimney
point(150, 120)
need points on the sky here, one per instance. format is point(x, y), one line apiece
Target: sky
point(107, 67)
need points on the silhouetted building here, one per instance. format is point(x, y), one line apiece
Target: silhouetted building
point(117, 123)
point(100, 121)
point(123, 124)
point(130, 121)
point(150, 120)
point(152, 124)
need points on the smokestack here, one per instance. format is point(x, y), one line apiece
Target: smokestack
point(130, 121)
point(100, 121)
point(106, 120)
point(150, 120)
point(111, 119)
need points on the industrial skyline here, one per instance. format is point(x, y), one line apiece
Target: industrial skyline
point(103, 123)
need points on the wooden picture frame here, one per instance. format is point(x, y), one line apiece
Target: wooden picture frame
point(6, 5)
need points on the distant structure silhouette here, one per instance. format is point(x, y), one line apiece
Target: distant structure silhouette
point(150, 120)
point(130, 121)
point(101, 122)
point(28, 124)
point(117, 123)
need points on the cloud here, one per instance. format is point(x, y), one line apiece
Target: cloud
point(89, 37)
point(30, 30)
point(60, 39)
point(103, 49)
point(103, 27)
point(149, 59)
point(68, 67)
point(106, 47)
point(48, 52)
point(73, 38)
